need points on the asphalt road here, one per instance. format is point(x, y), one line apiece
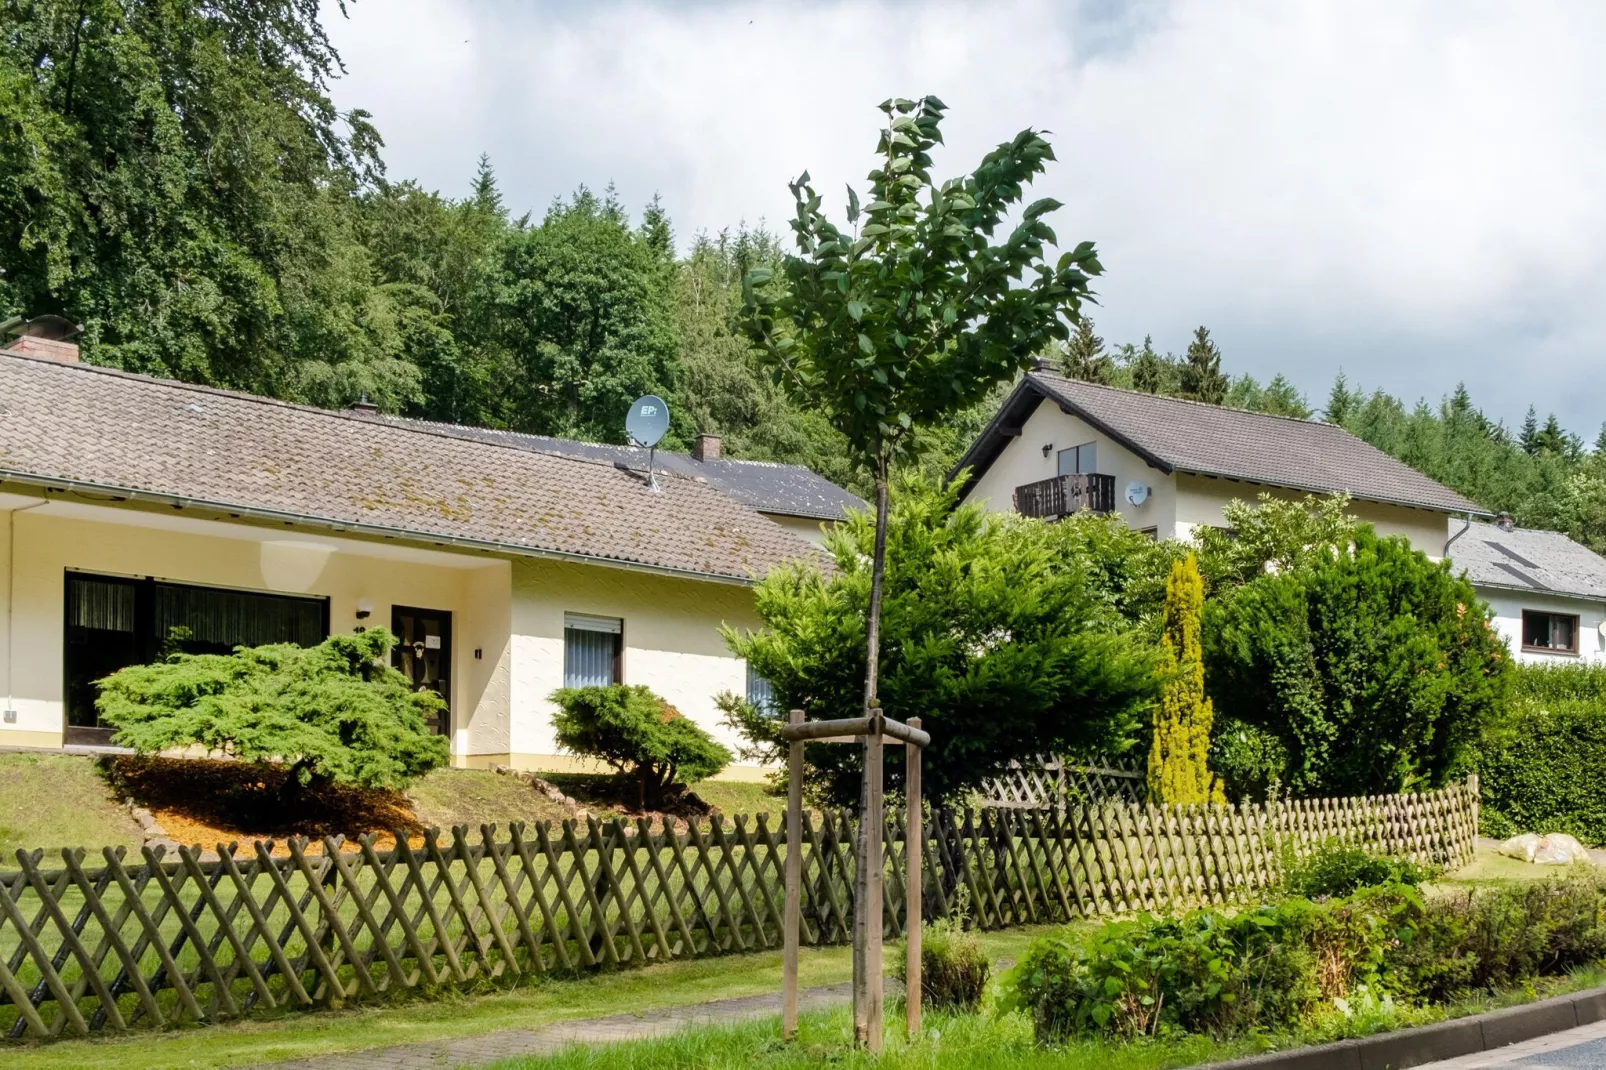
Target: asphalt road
point(1583, 1048)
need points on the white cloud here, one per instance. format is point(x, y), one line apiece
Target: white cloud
point(1410, 190)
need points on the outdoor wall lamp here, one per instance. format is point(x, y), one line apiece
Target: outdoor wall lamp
point(365, 608)
point(1048, 448)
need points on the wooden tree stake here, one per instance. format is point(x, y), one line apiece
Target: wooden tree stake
point(914, 851)
point(793, 919)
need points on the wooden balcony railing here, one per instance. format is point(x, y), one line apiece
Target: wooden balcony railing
point(1064, 495)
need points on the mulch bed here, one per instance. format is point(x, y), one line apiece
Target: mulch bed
point(208, 802)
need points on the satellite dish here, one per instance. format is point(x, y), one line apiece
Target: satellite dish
point(1137, 493)
point(648, 420)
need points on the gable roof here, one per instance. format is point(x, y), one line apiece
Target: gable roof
point(1545, 562)
point(83, 428)
point(783, 489)
point(1175, 435)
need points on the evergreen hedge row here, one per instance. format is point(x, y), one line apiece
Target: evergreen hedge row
point(1543, 763)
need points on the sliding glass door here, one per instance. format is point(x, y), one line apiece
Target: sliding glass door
point(113, 622)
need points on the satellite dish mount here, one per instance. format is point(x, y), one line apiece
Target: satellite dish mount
point(645, 426)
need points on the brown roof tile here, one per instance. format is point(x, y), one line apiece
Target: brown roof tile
point(74, 424)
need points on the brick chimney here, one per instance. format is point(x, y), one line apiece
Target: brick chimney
point(43, 336)
point(707, 448)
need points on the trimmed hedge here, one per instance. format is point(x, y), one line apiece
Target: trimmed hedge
point(1541, 763)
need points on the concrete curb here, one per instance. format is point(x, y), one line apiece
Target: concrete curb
point(1405, 1048)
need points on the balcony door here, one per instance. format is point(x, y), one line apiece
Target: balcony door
point(423, 654)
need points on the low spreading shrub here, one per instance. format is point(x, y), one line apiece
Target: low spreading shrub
point(1280, 966)
point(953, 968)
point(1540, 762)
point(640, 735)
point(1336, 869)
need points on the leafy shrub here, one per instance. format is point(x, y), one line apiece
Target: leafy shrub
point(1276, 966)
point(1335, 870)
point(953, 968)
point(1540, 762)
point(638, 734)
point(1375, 667)
point(335, 713)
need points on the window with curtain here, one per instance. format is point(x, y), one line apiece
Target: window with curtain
point(113, 622)
point(760, 694)
point(592, 650)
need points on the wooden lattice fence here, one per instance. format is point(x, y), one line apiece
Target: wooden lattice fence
point(159, 939)
point(1054, 781)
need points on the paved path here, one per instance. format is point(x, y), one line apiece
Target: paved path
point(1583, 1048)
point(512, 1043)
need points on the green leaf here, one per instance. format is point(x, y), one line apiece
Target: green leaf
point(853, 206)
point(865, 345)
point(856, 310)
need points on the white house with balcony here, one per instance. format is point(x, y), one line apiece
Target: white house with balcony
point(1169, 466)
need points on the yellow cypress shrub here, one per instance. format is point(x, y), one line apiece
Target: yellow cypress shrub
point(1179, 770)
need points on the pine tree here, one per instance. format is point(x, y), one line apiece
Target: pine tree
point(1179, 773)
point(655, 229)
point(487, 197)
point(1148, 369)
point(1341, 401)
point(1084, 357)
point(1202, 379)
point(1529, 439)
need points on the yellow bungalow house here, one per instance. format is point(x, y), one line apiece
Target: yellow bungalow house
point(135, 512)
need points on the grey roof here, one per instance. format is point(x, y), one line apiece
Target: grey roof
point(114, 434)
point(1523, 559)
point(783, 489)
point(1175, 435)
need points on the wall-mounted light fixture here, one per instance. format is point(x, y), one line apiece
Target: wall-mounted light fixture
point(365, 608)
point(1048, 448)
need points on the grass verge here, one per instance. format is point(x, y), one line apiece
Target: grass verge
point(58, 800)
point(297, 1035)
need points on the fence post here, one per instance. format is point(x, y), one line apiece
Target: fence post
point(914, 852)
point(791, 926)
point(1472, 789)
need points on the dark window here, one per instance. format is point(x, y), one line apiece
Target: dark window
point(1549, 633)
point(113, 622)
point(1079, 460)
point(593, 649)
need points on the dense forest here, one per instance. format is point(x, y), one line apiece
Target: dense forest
point(175, 178)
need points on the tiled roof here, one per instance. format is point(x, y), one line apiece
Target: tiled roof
point(1527, 560)
point(1189, 436)
point(74, 425)
point(784, 489)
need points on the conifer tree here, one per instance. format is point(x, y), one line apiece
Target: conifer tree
point(1341, 401)
point(1149, 369)
point(1600, 442)
point(1529, 439)
point(1179, 773)
point(1085, 357)
point(1202, 378)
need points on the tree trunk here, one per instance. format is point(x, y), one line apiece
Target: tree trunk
point(872, 657)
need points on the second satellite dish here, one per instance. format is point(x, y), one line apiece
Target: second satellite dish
point(648, 420)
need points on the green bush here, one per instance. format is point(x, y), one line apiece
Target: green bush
point(1540, 762)
point(333, 712)
point(1279, 966)
point(953, 968)
point(1335, 870)
point(638, 734)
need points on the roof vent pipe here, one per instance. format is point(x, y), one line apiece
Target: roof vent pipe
point(363, 405)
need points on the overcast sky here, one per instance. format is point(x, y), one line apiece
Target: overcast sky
point(1413, 192)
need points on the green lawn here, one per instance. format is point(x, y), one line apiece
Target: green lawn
point(299, 1035)
point(58, 800)
point(474, 797)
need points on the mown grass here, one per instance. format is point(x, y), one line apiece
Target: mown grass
point(295, 1035)
point(58, 800)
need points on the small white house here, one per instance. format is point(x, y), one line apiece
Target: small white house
point(1547, 591)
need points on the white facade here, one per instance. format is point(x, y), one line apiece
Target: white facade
point(1509, 607)
point(1177, 503)
point(507, 613)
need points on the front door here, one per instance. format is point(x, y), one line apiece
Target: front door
point(423, 653)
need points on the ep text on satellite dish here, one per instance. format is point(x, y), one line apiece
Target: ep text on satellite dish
point(648, 420)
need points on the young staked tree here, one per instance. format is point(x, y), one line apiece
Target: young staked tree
point(1179, 770)
point(917, 313)
point(1202, 378)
